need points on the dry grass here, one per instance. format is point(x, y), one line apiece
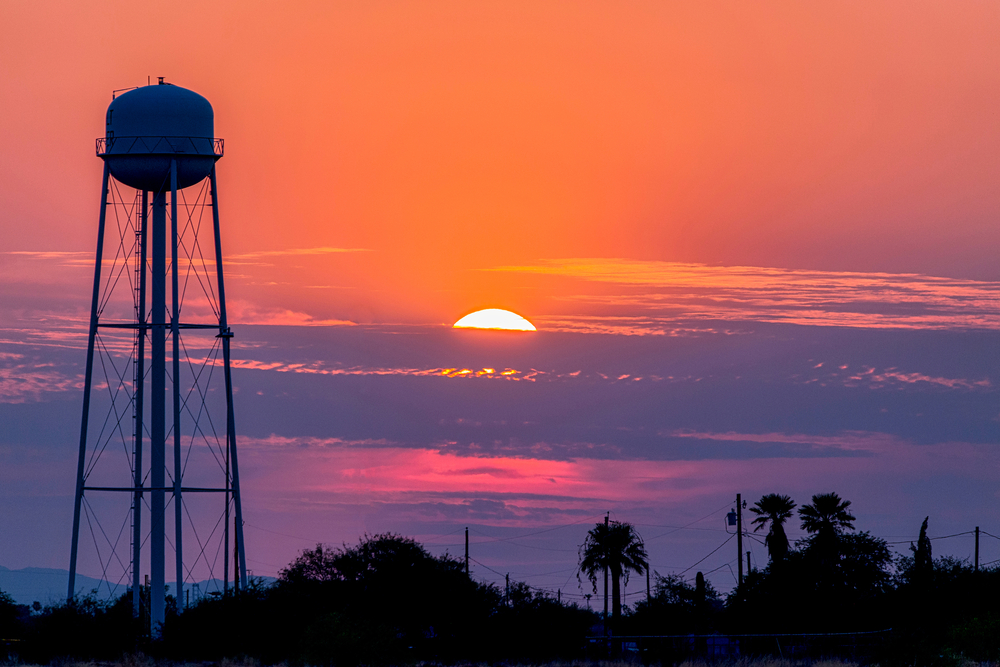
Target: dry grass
point(140, 660)
point(770, 662)
point(739, 662)
point(239, 662)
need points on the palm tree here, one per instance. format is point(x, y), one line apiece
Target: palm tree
point(826, 518)
point(774, 509)
point(619, 548)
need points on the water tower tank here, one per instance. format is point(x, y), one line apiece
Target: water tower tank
point(150, 126)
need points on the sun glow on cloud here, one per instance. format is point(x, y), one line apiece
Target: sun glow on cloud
point(494, 318)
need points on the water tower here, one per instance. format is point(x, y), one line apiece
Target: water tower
point(159, 151)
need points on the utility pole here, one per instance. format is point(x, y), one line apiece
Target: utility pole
point(466, 551)
point(559, 595)
point(739, 539)
point(506, 594)
point(648, 596)
point(606, 517)
point(748, 563)
point(977, 548)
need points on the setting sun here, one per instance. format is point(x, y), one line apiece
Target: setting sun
point(494, 318)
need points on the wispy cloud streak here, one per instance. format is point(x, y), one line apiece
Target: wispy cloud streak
point(292, 252)
point(665, 297)
point(850, 440)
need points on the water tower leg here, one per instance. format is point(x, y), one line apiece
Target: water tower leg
point(157, 432)
point(237, 499)
point(175, 330)
point(226, 336)
point(140, 355)
point(87, 378)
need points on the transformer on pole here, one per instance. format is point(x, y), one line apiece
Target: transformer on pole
point(159, 151)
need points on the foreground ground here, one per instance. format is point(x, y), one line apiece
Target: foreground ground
point(140, 660)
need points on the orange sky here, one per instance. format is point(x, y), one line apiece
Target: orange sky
point(790, 207)
point(451, 137)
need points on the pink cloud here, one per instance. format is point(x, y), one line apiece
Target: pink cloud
point(362, 475)
point(27, 382)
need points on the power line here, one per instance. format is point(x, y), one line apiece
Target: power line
point(677, 528)
point(942, 537)
point(710, 553)
point(534, 588)
point(499, 574)
point(689, 526)
point(514, 544)
point(729, 565)
point(457, 530)
point(538, 532)
point(530, 546)
point(274, 532)
point(545, 574)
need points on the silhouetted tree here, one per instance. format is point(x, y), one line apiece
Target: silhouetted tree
point(863, 566)
point(533, 627)
point(814, 591)
point(676, 607)
point(923, 562)
point(673, 589)
point(825, 519)
point(618, 547)
point(85, 627)
point(11, 615)
point(348, 592)
point(774, 510)
point(382, 600)
point(319, 564)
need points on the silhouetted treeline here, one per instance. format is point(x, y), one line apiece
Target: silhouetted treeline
point(387, 601)
point(384, 601)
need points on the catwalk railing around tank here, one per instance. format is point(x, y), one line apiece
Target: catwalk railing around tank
point(160, 146)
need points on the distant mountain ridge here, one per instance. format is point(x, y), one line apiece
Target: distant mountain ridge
point(48, 586)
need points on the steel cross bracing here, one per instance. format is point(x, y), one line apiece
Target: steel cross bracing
point(121, 337)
